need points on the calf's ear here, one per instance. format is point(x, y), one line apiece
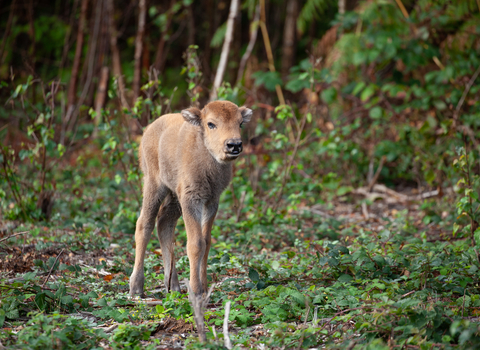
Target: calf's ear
point(246, 114)
point(192, 115)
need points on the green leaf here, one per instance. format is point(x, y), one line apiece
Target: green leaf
point(367, 93)
point(312, 10)
point(268, 79)
point(253, 275)
point(160, 309)
point(12, 314)
point(29, 276)
point(345, 278)
point(217, 39)
point(359, 87)
point(329, 95)
point(376, 112)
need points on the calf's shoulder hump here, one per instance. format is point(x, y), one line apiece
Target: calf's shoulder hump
point(151, 136)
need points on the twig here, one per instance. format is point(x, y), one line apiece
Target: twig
point(268, 48)
point(306, 314)
point(315, 316)
point(466, 91)
point(251, 44)
point(352, 344)
point(377, 174)
point(292, 158)
point(8, 27)
point(226, 338)
point(300, 342)
point(111, 328)
point(53, 266)
point(198, 305)
point(225, 49)
point(407, 294)
point(148, 302)
point(240, 205)
point(402, 8)
point(345, 311)
point(14, 235)
point(169, 109)
point(15, 192)
point(365, 211)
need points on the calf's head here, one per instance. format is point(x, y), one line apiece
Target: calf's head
point(220, 123)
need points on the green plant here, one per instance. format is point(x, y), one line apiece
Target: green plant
point(469, 186)
point(58, 332)
point(130, 337)
point(194, 75)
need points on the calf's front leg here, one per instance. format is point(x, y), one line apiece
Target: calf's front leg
point(196, 243)
point(152, 198)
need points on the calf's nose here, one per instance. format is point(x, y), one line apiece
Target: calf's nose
point(233, 146)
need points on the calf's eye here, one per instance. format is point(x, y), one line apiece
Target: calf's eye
point(211, 125)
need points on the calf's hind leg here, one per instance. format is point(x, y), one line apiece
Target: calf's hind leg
point(167, 219)
point(153, 195)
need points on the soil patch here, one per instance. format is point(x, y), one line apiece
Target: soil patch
point(173, 326)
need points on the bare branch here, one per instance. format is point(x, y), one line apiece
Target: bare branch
point(225, 50)
point(226, 337)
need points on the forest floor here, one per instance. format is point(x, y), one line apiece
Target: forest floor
point(388, 274)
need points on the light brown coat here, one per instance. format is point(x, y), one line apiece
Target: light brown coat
point(186, 163)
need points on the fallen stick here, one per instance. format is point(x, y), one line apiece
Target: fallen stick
point(383, 192)
point(53, 266)
point(365, 211)
point(377, 174)
point(147, 302)
point(226, 338)
point(14, 235)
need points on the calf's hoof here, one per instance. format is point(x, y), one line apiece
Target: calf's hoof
point(137, 282)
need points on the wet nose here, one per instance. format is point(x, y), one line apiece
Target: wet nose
point(233, 146)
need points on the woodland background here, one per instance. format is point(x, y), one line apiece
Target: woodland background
point(353, 218)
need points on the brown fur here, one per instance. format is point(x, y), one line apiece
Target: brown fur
point(186, 166)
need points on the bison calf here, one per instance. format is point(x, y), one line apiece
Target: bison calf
point(186, 159)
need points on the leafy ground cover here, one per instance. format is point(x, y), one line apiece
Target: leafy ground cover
point(313, 277)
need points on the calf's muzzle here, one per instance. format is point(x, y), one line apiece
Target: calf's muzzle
point(233, 146)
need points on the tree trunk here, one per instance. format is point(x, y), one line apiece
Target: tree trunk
point(225, 49)
point(236, 46)
point(208, 50)
point(268, 49)
point(191, 26)
point(7, 30)
point(31, 33)
point(251, 44)
point(90, 62)
point(72, 88)
point(350, 4)
point(288, 49)
point(161, 42)
point(116, 63)
point(341, 7)
point(66, 42)
point(137, 71)
point(101, 97)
